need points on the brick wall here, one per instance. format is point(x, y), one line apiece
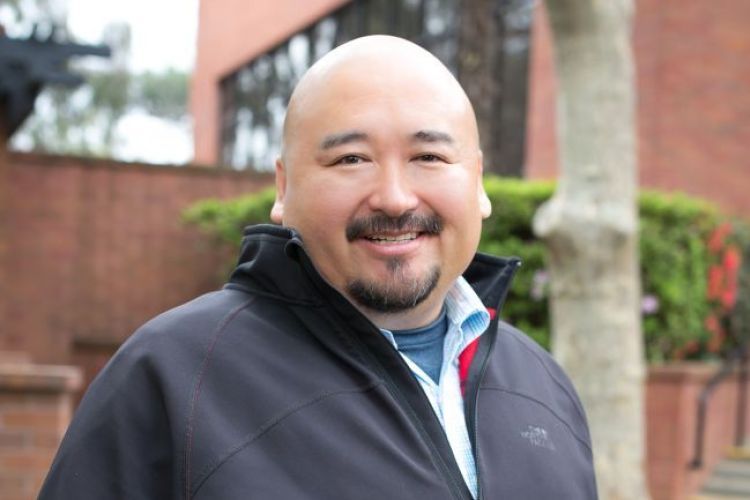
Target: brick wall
point(693, 65)
point(694, 108)
point(96, 247)
point(36, 404)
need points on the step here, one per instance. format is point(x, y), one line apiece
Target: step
point(728, 485)
point(716, 496)
point(733, 468)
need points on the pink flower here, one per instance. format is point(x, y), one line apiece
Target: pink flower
point(649, 304)
point(539, 284)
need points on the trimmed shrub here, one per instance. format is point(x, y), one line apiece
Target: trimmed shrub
point(674, 251)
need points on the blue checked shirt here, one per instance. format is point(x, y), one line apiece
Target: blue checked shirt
point(467, 319)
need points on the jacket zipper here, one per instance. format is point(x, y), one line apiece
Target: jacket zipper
point(454, 483)
point(480, 361)
point(476, 374)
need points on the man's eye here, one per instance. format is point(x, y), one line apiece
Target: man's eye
point(349, 160)
point(428, 158)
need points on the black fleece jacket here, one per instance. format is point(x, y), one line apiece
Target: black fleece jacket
point(275, 387)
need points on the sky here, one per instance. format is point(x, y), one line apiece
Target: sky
point(163, 35)
point(163, 31)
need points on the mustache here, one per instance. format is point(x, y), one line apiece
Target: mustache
point(381, 223)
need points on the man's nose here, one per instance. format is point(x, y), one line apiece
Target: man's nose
point(393, 192)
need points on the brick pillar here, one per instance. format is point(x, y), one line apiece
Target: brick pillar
point(36, 405)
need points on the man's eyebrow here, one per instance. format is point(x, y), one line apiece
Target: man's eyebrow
point(432, 136)
point(333, 140)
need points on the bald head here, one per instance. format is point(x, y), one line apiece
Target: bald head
point(374, 64)
point(381, 175)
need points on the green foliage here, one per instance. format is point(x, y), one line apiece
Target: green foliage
point(675, 259)
point(162, 94)
point(109, 91)
point(674, 270)
point(226, 219)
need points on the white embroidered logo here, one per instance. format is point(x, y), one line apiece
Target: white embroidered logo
point(538, 436)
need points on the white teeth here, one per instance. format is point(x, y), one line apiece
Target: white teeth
point(392, 238)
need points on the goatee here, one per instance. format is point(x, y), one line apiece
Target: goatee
point(398, 293)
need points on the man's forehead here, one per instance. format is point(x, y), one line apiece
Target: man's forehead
point(343, 112)
point(359, 85)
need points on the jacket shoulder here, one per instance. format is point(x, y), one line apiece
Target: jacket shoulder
point(134, 412)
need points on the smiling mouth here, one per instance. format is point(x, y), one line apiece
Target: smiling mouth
point(382, 229)
point(384, 239)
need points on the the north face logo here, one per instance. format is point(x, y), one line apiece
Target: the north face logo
point(538, 436)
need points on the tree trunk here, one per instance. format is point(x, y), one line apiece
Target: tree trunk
point(590, 229)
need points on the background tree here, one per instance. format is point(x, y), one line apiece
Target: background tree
point(590, 229)
point(494, 42)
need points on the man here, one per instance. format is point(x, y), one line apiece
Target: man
point(356, 351)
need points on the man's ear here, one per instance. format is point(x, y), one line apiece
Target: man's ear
point(485, 206)
point(277, 211)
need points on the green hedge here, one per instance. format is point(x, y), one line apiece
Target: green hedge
point(674, 258)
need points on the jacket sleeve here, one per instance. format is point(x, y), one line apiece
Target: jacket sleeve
point(119, 444)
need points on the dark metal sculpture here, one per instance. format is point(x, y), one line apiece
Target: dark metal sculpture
point(27, 65)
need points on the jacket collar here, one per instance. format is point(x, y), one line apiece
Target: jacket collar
point(273, 262)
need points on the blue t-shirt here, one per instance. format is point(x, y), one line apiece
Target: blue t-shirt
point(424, 345)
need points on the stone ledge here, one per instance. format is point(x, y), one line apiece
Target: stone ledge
point(28, 377)
point(686, 371)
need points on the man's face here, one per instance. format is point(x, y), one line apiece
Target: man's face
point(382, 178)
